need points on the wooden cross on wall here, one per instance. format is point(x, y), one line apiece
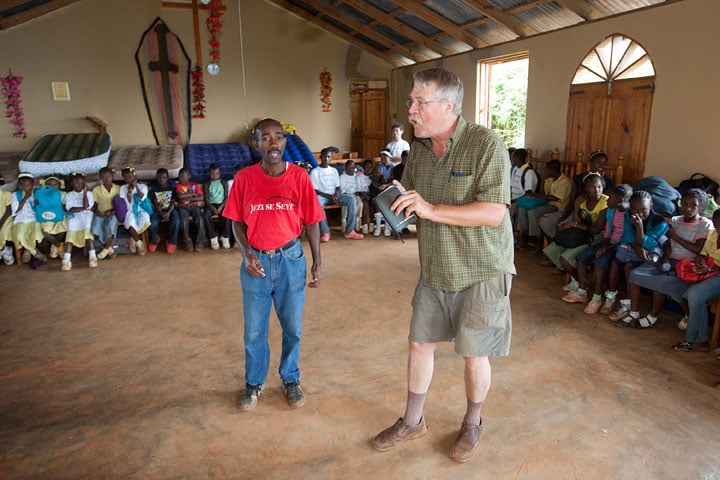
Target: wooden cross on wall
point(196, 6)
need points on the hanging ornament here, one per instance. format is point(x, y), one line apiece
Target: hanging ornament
point(214, 27)
point(325, 89)
point(213, 68)
point(11, 94)
point(198, 92)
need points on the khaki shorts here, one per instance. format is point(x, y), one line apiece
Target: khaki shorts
point(478, 319)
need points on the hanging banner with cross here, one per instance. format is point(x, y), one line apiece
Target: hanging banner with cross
point(164, 69)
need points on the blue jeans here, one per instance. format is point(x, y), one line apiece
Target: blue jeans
point(698, 297)
point(174, 221)
point(184, 213)
point(284, 286)
point(104, 227)
point(345, 201)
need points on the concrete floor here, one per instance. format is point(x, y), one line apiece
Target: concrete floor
point(133, 370)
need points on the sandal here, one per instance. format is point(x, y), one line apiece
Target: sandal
point(691, 347)
point(643, 322)
point(625, 322)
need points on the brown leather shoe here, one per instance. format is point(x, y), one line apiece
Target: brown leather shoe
point(397, 434)
point(467, 442)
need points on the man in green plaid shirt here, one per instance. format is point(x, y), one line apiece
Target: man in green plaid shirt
point(457, 181)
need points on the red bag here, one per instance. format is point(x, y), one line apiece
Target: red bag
point(685, 272)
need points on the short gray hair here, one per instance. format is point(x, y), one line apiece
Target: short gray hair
point(449, 86)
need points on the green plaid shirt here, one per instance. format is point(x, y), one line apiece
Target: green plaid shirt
point(474, 168)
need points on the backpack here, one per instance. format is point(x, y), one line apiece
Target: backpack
point(538, 186)
point(698, 180)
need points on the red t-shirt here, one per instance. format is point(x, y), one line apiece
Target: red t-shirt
point(274, 208)
point(191, 187)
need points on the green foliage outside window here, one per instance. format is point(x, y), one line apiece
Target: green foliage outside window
point(508, 101)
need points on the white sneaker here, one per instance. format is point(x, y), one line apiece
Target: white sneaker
point(132, 245)
point(387, 231)
point(66, 265)
point(571, 286)
point(7, 256)
point(378, 230)
point(140, 246)
point(682, 324)
point(54, 252)
point(365, 229)
point(214, 243)
point(92, 262)
point(225, 242)
point(26, 257)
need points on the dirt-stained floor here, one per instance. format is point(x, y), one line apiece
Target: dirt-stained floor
point(133, 370)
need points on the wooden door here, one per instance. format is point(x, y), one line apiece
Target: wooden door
point(356, 124)
point(628, 125)
point(613, 117)
point(375, 127)
point(585, 120)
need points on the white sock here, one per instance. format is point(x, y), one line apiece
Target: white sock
point(67, 256)
point(635, 315)
point(610, 295)
point(92, 254)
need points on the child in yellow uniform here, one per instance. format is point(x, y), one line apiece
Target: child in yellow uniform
point(6, 225)
point(26, 231)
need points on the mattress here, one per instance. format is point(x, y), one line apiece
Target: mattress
point(66, 153)
point(147, 159)
point(297, 152)
point(199, 157)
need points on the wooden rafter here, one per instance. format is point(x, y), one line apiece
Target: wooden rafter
point(489, 10)
point(31, 13)
point(338, 15)
point(582, 8)
point(441, 22)
point(336, 31)
point(400, 27)
point(509, 11)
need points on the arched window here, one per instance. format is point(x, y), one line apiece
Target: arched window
point(615, 58)
point(609, 106)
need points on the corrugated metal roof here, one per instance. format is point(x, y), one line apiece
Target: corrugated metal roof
point(550, 16)
point(456, 11)
point(425, 35)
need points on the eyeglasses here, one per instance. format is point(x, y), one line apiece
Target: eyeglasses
point(420, 104)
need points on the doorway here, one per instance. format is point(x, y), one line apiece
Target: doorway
point(368, 118)
point(610, 104)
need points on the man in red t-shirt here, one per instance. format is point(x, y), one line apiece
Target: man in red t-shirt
point(269, 203)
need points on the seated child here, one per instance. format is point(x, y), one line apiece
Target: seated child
point(6, 225)
point(699, 294)
point(349, 187)
point(642, 239)
point(139, 209)
point(601, 253)
point(26, 231)
point(363, 191)
point(79, 203)
point(236, 169)
point(326, 182)
point(188, 197)
point(687, 233)
point(105, 223)
point(162, 195)
point(215, 195)
point(586, 216)
point(49, 201)
point(596, 164)
point(556, 191)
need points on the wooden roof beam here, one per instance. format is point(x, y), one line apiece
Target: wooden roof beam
point(400, 27)
point(337, 32)
point(440, 22)
point(489, 10)
point(509, 11)
point(359, 27)
point(582, 8)
point(31, 13)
